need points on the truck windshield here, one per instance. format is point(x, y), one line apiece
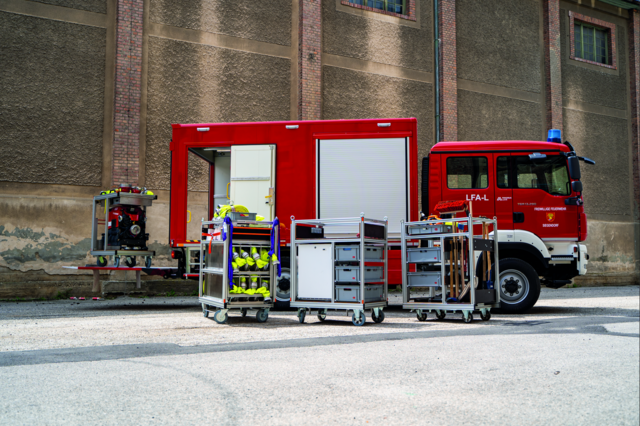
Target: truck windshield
point(549, 174)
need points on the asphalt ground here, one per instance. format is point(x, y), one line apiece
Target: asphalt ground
point(573, 359)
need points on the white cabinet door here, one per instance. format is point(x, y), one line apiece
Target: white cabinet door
point(315, 271)
point(253, 178)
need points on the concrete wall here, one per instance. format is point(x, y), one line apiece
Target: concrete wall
point(52, 101)
point(194, 83)
point(596, 121)
point(267, 21)
point(96, 6)
point(500, 70)
point(374, 37)
point(55, 100)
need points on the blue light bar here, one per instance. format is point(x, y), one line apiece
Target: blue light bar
point(554, 135)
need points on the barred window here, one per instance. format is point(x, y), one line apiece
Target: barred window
point(394, 6)
point(591, 43)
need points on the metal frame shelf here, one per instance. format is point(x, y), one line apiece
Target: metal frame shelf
point(358, 308)
point(232, 301)
point(108, 201)
point(468, 275)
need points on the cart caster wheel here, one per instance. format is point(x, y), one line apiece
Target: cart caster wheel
point(147, 262)
point(116, 262)
point(262, 315)
point(220, 317)
point(243, 312)
point(440, 315)
point(205, 311)
point(130, 261)
point(301, 316)
point(422, 316)
point(102, 261)
point(322, 317)
point(377, 319)
point(485, 317)
point(360, 320)
point(467, 319)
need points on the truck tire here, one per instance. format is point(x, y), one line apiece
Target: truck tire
point(519, 286)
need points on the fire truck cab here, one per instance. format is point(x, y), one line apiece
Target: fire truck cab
point(534, 190)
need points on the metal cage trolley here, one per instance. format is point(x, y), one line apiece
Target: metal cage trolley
point(248, 241)
point(446, 268)
point(339, 271)
point(125, 217)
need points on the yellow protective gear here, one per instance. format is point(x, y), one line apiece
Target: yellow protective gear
point(234, 265)
point(243, 253)
point(222, 210)
point(274, 259)
point(236, 289)
point(254, 282)
point(250, 291)
point(251, 264)
point(235, 254)
point(259, 218)
point(264, 254)
point(243, 283)
point(264, 292)
point(147, 192)
point(242, 264)
point(254, 253)
point(262, 265)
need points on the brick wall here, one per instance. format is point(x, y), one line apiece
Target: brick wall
point(310, 64)
point(448, 72)
point(552, 61)
point(634, 65)
point(126, 143)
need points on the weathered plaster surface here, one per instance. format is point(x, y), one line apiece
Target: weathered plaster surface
point(374, 40)
point(604, 139)
point(39, 235)
point(488, 117)
point(192, 83)
point(498, 42)
point(268, 21)
point(51, 101)
point(614, 251)
point(97, 6)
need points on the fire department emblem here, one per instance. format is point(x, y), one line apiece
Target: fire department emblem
point(551, 217)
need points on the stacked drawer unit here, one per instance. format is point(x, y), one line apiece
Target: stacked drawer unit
point(347, 270)
point(426, 255)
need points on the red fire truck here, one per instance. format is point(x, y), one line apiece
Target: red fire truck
point(341, 168)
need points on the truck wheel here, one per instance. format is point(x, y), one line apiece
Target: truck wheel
point(519, 286)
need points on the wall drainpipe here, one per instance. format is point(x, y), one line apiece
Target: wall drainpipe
point(436, 55)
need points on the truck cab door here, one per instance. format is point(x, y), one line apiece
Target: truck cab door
point(503, 191)
point(468, 177)
point(253, 177)
point(540, 188)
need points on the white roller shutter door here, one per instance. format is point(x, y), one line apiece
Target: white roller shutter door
point(363, 175)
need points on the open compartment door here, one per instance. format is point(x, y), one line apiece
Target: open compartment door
point(253, 169)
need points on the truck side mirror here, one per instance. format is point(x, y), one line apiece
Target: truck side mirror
point(574, 168)
point(576, 186)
